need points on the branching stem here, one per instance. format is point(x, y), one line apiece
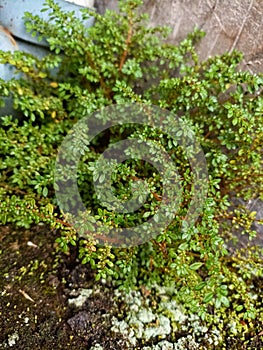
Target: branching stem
point(127, 44)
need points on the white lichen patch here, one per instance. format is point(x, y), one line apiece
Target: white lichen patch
point(161, 328)
point(13, 338)
point(145, 323)
point(173, 311)
point(82, 298)
point(97, 347)
point(145, 316)
point(187, 342)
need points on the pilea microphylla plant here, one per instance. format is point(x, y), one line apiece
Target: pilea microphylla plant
point(122, 60)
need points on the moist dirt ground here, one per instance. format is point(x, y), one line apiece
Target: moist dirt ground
point(36, 283)
point(35, 286)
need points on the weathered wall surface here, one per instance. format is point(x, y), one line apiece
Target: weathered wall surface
point(236, 24)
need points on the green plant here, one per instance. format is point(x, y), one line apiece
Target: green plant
point(122, 60)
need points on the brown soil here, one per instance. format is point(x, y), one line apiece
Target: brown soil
point(35, 286)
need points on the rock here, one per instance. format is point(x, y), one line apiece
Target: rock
point(242, 241)
point(79, 322)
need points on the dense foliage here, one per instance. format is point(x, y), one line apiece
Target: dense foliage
point(122, 60)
